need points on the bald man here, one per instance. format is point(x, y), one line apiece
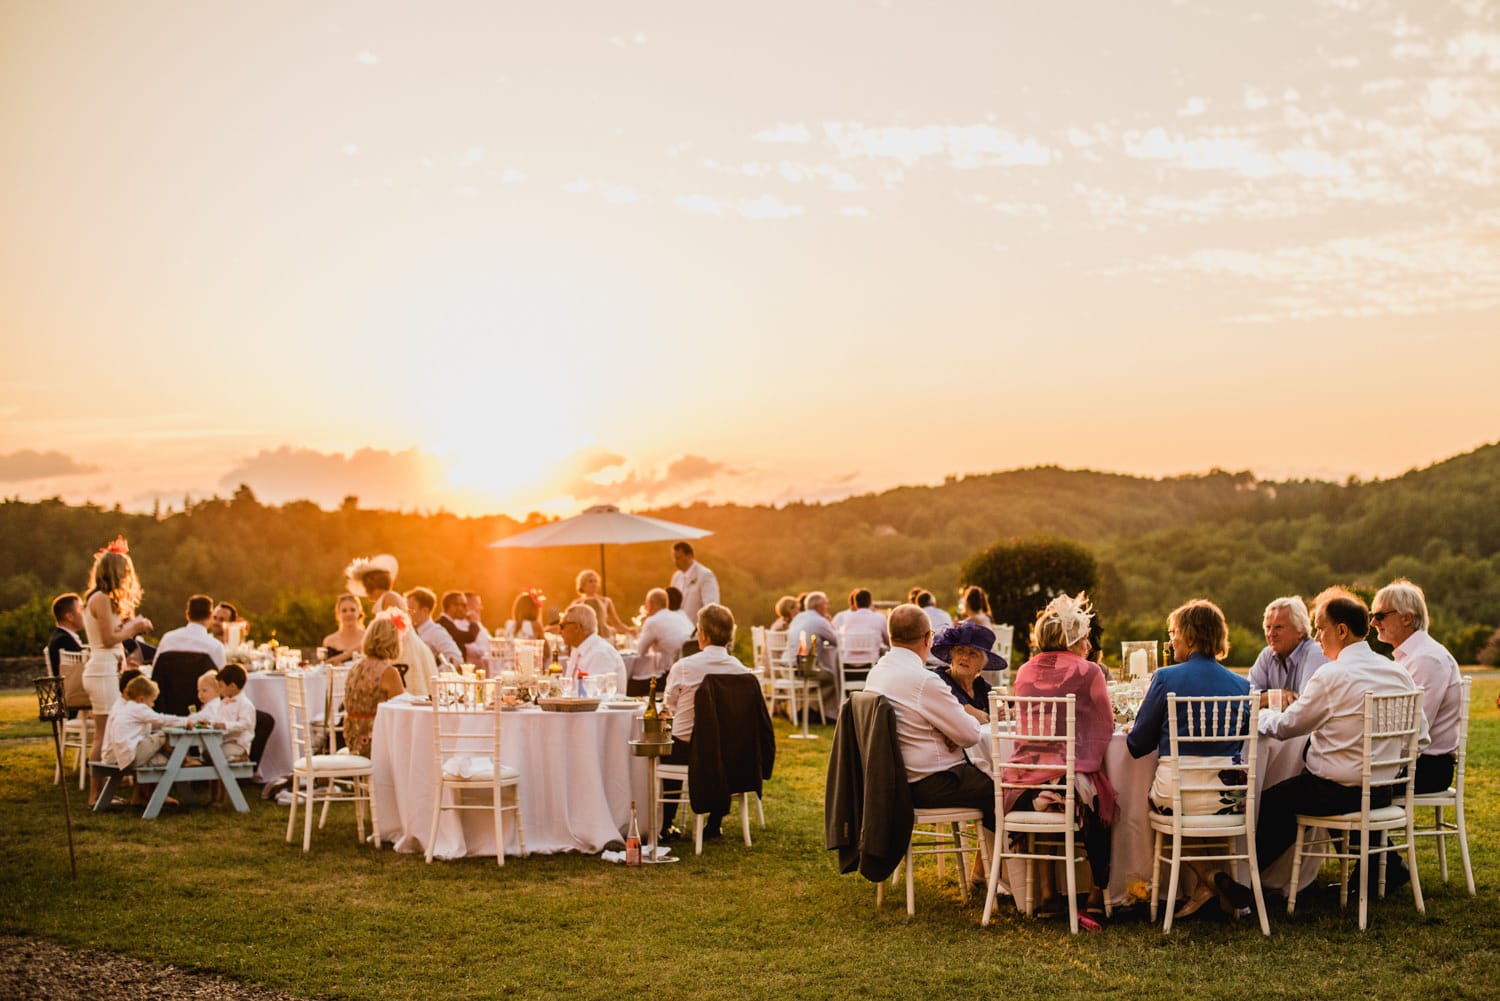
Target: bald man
point(932, 729)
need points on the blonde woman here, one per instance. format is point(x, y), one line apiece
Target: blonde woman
point(373, 680)
point(113, 594)
point(344, 644)
point(588, 587)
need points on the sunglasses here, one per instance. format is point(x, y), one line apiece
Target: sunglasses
point(1380, 616)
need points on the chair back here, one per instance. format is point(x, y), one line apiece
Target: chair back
point(466, 730)
point(176, 673)
point(858, 652)
point(70, 669)
point(1202, 725)
point(1004, 641)
point(776, 642)
point(758, 646)
point(1044, 730)
point(1461, 753)
point(299, 720)
point(333, 709)
point(1393, 725)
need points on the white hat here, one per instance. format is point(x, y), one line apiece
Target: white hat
point(356, 570)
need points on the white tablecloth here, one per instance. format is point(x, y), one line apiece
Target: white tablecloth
point(267, 692)
point(578, 778)
point(1133, 840)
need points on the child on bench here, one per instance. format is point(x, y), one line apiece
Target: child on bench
point(132, 737)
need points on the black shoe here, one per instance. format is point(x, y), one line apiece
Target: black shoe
point(670, 836)
point(712, 833)
point(1396, 876)
point(1233, 896)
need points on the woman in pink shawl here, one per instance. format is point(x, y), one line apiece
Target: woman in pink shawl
point(1059, 668)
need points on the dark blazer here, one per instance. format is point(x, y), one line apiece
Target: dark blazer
point(61, 640)
point(176, 674)
point(867, 811)
point(734, 745)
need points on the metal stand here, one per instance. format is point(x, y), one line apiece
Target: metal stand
point(651, 750)
point(807, 670)
point(51, 709)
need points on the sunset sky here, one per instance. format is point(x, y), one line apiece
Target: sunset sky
point(532, 256)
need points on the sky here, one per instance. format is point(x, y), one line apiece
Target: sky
point(506, 257)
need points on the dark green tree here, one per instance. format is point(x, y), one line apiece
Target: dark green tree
point(1022, 575)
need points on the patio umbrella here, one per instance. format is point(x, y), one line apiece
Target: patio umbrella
point(601, 525)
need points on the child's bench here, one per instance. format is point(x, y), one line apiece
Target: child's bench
point(175, 770)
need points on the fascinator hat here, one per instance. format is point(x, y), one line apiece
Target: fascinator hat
point(969, 634)
point(1074, 615)
point(355, 571)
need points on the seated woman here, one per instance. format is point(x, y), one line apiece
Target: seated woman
point(350, 637)
point(373, 680)
point(588, 587)
point(967, 649)
point(974, 606)
point(1059, 669)
point(1200, 637)
point(375, 578)
point(786, 610)
point(526, 616)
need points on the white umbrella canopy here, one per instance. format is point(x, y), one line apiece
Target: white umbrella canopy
point(601, 525)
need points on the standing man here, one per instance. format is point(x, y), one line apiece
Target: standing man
point(932, 729)
point(697, 582)
point(1291, 655)
point(1400, 615)
point(194, 637)
point(67, 613)
point(1330, 707)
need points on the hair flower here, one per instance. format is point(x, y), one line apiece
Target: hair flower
point(536, 595)
point(118, 546)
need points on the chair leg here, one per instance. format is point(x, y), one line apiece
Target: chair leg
point(291, 819)
point(1364, 879)
point(745, 816)
point(1291, 891)
point(1155, 874)
point(1069, 849)
point(307, 813)
point(911, 888)
point(1411, 863)
point(1442, 842)
point(359, 814)
point(697, 832)
point(374, 821)
point(327, 802)
point(1463, 845)
point(1260, 897)
point(962, 861)
point(760, 810)
point(437, 812)
point(1172, 881)
point(499, 825)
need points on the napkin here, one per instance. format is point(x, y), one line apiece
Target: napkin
point(405, 699)
point(662, 852)
point(466, 766)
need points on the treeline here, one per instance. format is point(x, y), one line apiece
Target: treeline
point(1220, 535)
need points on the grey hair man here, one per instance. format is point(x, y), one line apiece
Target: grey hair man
point(1399, 612)
point(1291, 655)
point(659, 643)
point(813, 626)
point(590, 654)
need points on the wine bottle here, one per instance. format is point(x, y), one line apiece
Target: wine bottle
point(651, 713)
point(633, 840)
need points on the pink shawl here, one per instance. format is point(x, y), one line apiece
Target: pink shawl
point(1057, 674)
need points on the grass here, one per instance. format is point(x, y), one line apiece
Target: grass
point(214, 890)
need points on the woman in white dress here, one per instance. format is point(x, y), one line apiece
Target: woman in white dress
point(113, 594)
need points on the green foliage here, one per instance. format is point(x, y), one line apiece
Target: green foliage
point(26, 628)
point(299, 617)
point(1022, 575)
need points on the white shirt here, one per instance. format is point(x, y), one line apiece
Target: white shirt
point(939, 618)
point(931, 727)
point(683, 681)
point(439, 642)
point(421, 665)
point(807, 625)
point(865, 620)
point(192, 638)
point(1331, 707)
point(663, 634)
point(129, 724)
point(478, 650)
point(699, 587)
point(1434, 670)
point(597, 657)
point(237, 714)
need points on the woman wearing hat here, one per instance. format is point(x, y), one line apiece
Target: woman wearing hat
point(1057, 670)
point(374, 579)
point(968, 649)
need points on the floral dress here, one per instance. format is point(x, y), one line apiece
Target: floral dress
point(362, 694)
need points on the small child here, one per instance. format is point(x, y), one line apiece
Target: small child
point(131, 737)
point(208, 698)
point(234, 713)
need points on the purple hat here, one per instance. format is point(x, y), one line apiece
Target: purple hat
point(971, 634)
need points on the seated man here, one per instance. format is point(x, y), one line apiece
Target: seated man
point(590, 654)
point(932, 729)
point(861, 618)
point(813, 624)
point(1291, 655)
point(194, 637)
point(224, 615)
point(455, 622)
point(1331, 708)
point(420, 604)
point(474, 612)
point(67, 613)
point(715, 633)
point(662, 634)
point(1400, 616)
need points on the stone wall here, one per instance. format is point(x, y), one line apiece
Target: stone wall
point(17, 672)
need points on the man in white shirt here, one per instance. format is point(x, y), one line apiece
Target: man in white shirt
point(812, 625)
point(1399, 612)
point(659, 643)
point(1291, 655)
point(864, 619)
point(932, 729)
point(590, 653)
point(420, 604)
point(195, 637)
point(940, 619)
point(697, 582)
point(1331, 708)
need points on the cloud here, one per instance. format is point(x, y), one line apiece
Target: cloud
point(963, 146)
point(685, 478)
point(405, 479)
point(28, 464)
point(699, 203)
point(785, 133)
point(367, 57)
point(768, 207)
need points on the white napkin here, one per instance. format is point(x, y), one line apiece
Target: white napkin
point(662, 852)
point(404, 699)
point(465, 766)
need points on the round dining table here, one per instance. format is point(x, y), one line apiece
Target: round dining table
point(578, 779)
point(266, 691)
point(1133, 840)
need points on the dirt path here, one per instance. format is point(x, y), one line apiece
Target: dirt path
point(41, 971)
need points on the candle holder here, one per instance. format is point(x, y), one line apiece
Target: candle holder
point(806, 666)
point(1142, 666)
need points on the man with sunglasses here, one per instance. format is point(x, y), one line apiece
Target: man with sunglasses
point(1400, 615)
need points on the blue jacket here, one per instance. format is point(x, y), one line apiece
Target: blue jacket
point(1197, 676)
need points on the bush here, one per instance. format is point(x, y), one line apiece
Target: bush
point(300, 617)
point(1466, 642)
point(1490, 655)
point(26, 628)
point(1022, 575)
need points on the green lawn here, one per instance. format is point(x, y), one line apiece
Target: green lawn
point(218, 891)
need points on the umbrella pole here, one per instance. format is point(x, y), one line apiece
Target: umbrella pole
point(603, 587)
